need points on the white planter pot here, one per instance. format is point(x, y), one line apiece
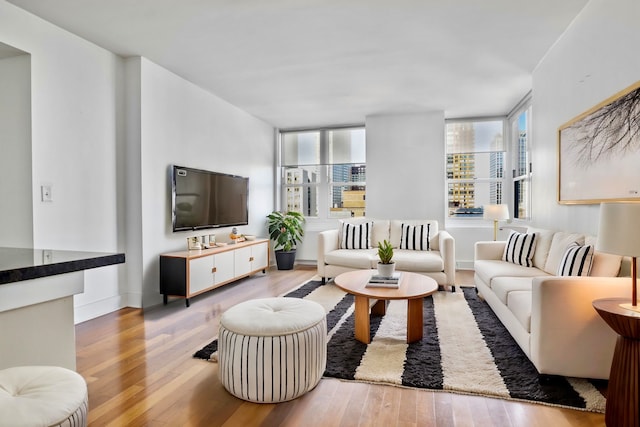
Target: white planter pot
point(386, 270)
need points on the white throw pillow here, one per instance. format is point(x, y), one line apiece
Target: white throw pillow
point(415, 237)
point(356, 236)
point(576, 260)
point(520, 248)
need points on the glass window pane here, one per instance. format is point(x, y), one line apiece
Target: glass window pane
point(347, 201)
point(303, 199)
point(475, 136)
point(521, 198)
point(347, 173)
point(301, 148)
point(466, 198)
point(521, 150)
point(347, 146)
point(475, 165)
point(302, 175)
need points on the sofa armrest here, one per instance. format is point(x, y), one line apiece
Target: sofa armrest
point(327, 242)
point(489, 250)
point(567, 334)
point(447, 245)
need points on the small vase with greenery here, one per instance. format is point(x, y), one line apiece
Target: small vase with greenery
point(286, 230)
point(386, 265)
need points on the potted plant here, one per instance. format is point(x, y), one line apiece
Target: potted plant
point(286, 230)
point(386, 265)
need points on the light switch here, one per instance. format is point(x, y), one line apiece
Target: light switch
point(45, 191)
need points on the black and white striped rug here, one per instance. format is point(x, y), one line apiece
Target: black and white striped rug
point(465, 349)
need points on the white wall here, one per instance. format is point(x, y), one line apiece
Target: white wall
point(88, 106)
point(594, 59)
point(185, 125)
point(405, 166)
point(16, 217)
point(74, 104)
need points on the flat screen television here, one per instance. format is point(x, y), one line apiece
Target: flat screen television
point(204, 199)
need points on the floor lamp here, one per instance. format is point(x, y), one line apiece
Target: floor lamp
point(496, 213)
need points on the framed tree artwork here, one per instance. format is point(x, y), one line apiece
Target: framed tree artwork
point(599, 152)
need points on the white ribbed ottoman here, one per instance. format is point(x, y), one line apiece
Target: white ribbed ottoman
point(42, 396)
point(272, 349)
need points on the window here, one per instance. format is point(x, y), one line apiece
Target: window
point(475, 166)
point(520, 159)
point(324, 172)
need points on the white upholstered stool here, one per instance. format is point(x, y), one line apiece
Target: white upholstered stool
point(272, 349)
point(42, 396)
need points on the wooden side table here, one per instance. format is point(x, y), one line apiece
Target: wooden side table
point(623, 393)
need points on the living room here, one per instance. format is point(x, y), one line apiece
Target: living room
point(104, 129)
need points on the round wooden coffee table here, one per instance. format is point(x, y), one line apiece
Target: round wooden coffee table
point(412, 286)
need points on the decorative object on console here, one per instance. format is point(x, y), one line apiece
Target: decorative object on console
point(286, 230)
point(386, 266)
point(619, 233)
point(496, 213)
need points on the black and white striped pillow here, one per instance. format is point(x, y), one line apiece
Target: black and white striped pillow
point(356, 236)
point(415, 237)
point(576, 261)
point(520, 248)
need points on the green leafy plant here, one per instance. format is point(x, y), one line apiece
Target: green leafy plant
point(285, 229)
point(385, 252)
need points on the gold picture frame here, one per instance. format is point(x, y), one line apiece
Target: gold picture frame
point(599, 152)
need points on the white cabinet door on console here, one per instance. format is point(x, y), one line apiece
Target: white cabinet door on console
point(260, 256)
point(243, 261)
point(201, 274)
point(224, 267)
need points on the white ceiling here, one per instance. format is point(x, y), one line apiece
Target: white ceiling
point(302, 63)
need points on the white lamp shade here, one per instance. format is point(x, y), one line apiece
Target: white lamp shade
point(496, 212)
point(619, 230)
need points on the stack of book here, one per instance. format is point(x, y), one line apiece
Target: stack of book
point(378, 281)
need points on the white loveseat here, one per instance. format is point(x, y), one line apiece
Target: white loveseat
point(437, 262)
point(551, 317)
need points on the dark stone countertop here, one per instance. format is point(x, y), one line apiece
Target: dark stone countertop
point(17, 264)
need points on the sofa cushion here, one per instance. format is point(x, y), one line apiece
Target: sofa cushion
point(558, 246)
point(543, 243)
point(520, 248)
point(410, 260)
point(519, 303)
point(395, 231)
point(356, 236)
point(604, 264)
point(576, 260)
point(489, 269)
point(415, 237)
point(379, 233)
point(362, 258)
point(503, 286)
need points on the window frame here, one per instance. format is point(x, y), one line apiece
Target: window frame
point(503, 181)
point(325, 183)
point(524, 106)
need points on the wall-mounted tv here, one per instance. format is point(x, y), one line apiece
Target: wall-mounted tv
point(203, 199)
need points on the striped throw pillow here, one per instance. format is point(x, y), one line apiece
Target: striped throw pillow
point(356, 236)
point(520, 248)
point(576, 260)
point(415, 237)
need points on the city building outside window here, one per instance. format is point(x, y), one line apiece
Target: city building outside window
point(323, 172)
point(475, 156)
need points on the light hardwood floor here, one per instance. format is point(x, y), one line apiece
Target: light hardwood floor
point(140, 372)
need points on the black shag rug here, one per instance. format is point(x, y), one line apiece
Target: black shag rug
point(465, 349)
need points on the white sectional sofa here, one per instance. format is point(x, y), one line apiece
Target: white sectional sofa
point(438, 261)
point(551, 317)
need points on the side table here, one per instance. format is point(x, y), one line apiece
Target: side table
point(623, 393)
